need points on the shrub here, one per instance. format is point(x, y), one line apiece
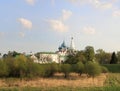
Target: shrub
point(79, 67)
point(49, 69)
point(32, 69)
point(92, 69)
point(104, 69)
point(3, 69)
point(66, 69)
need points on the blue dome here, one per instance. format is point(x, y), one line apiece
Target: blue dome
point(63, 46)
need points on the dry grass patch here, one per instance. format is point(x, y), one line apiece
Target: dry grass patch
point(58, 80)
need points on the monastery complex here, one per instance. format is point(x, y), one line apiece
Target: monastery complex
point(59, 56)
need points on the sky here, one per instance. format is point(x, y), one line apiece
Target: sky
point(42, 25)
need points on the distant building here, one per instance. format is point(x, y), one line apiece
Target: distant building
point(59, 56)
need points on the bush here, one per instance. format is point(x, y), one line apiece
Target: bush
point(66, 69)
point(104, 69)
point(79, 67)
point(50, 69)
point(92, 69)
point(32, 69)
point(3, 69)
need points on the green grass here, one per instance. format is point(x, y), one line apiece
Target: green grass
point(115, 88)
point(114, 68)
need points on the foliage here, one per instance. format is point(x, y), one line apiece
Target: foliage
point(89, 53)
point(50, 69)
point(3, 69)
point(22, 66)
point(66, 68)
point(92, 69)
point(118, 56)
point(104, 69)
point(102, 57)
point(114, 59)
point(73, 59)
point(79, 67)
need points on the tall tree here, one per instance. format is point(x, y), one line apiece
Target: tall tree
point(114, 59)
point(89, 53)
point(102, 57)
point(118, 56)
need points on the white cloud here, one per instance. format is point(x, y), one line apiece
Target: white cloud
point(89, 30)
point(31, 2)
point(22, 34)
point(58, 25)
point(116, 13)
point(66, 14)
point(25, 23)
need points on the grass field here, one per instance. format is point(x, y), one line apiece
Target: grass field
point(74, 83)
point(114, 68)
point(58, 80)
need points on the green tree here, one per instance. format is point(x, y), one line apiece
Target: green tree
point(79, 68)
point(50, 69)
point(114, 59)
point(102, 57)
point(3, 69)
point(81, 56)
point(118, 56)
point(73, 59)
point(92, 69)
point(89, 53)
point(66, 69)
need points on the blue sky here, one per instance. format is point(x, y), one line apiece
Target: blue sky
point(42, 25)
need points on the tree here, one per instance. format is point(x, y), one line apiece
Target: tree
point(89, 53)
point(50, 69)
point(79, 68)
point(66, 68)
point(102, 57)
point(118, 56)
point(3, 69)
point(92, 69)
point(73, 59)
point(81, 56)
point(114, 59)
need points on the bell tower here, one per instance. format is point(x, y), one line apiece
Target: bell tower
point(72, 45)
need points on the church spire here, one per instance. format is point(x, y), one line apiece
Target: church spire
point(72, 45)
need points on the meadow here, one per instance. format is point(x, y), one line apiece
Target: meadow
point(109, 82)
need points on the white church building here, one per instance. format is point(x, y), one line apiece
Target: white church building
point(59, 56)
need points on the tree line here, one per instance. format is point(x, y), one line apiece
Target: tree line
point(22, 67)
point(100, 56)
point(86, 61)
